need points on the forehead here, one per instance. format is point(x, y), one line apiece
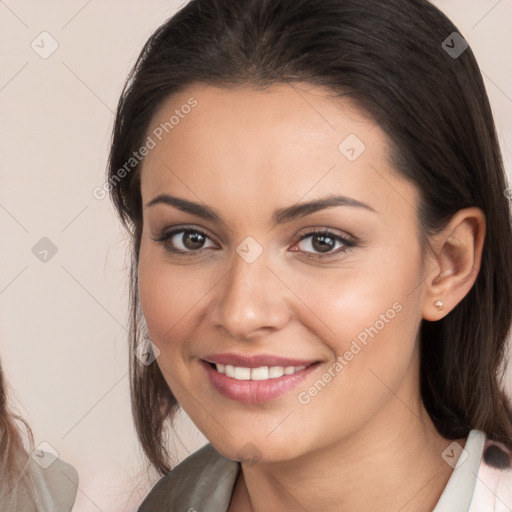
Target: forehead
point(278, 143)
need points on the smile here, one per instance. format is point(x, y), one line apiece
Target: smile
point(260, 373)
point(249, 380)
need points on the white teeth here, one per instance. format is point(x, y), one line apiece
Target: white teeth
point(275, 371)
point(242, 373)
point(261, 373)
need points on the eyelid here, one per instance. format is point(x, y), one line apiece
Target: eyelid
point(328, 231)
point(167, 233)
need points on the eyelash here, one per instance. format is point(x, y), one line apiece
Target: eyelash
point(347, 244)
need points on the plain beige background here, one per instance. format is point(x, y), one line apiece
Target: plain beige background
point(62, 329)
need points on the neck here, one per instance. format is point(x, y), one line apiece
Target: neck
point(392, 464)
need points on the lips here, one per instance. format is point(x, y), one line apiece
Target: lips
point(255, 379)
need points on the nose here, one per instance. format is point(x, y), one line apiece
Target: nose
point(250, 300)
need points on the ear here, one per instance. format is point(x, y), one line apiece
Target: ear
point(455, 262)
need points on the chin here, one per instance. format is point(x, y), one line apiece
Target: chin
point(257, 449)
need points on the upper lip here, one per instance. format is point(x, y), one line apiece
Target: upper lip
point(256, 361)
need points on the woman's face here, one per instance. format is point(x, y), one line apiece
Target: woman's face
point(247, 275)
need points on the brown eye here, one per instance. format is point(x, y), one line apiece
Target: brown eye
point(193, 240)
point(185, 241)
point(323, 243)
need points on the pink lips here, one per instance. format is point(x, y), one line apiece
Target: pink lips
point(255, 391)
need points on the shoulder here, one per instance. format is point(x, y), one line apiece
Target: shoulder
point(203, 481)
point(494, 480)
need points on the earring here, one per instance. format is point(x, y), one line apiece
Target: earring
point(439, 305)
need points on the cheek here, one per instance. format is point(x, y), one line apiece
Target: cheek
point(375, 320)
point(357, 300)
point(169, 295)
point(368, 316)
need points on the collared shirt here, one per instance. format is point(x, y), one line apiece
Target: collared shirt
point(204, 481)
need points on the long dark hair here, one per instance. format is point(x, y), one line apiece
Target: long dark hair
point(389, 58)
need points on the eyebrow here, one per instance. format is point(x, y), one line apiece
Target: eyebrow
point(281, 216)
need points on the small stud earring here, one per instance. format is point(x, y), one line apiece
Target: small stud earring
point(439, 305)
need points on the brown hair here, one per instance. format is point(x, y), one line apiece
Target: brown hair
point(13, 456)
point(388, 57)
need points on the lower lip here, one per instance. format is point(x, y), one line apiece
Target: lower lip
point(255, 391)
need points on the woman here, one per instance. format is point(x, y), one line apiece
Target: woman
point(321, 258)
point(36, 482)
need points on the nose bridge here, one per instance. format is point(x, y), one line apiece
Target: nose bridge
point(251, 297)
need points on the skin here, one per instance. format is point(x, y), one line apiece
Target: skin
point(365, 441)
